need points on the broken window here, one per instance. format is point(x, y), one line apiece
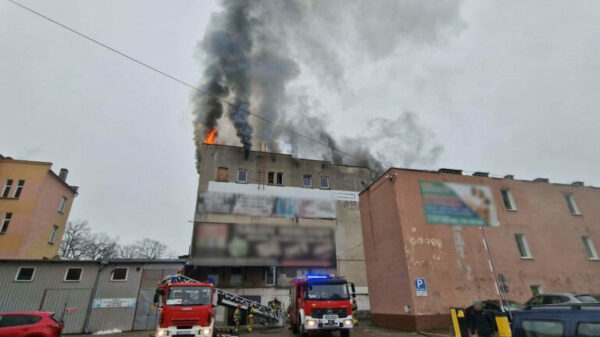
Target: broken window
point(279, 178)
point(271, 178)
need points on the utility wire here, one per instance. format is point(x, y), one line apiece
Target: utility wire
point(233, 105)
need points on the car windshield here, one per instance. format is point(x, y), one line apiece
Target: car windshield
point(337, 291)
point(586, 299)
point(510, 305)
point(189, 296)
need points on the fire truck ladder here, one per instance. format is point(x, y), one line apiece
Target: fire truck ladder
point(272, 316)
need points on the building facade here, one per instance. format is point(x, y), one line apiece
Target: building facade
point(89, 296)
point(424, 234)
point(264, 218)
point(34, 208)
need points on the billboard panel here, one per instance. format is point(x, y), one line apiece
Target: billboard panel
point(263, 245)
point(265, 205)
point(458, 204)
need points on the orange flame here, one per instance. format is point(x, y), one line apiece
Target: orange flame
point(211, 136)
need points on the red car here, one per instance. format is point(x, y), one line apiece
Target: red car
point(29, 324)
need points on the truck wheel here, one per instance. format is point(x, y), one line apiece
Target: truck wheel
point(344, 333)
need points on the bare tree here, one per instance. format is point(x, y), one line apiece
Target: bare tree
point(129, 251)
point(150, 249)
point(99, 246)
point(74, 240)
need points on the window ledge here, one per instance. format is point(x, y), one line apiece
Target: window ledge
point(71, 281)
point(23, 280)
point(118, 280)
point(577, 214)
point(594, 259)
point(526, 258)
point(511, 209)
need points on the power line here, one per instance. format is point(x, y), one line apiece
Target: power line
point(131, 58)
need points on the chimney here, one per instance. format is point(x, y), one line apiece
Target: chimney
point(481, 174)
point(509, 176)
point(577, 183)
point(541, 180)
point(63, 174)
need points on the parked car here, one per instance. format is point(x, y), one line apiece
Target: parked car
point(494, 306)
point(559, 298)
point(562, 320)
point(29, 324)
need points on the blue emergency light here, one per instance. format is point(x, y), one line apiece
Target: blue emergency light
point(317, 276)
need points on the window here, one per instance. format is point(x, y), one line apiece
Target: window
point(572, 205)
point(242, 176)
point(236, 277)
point(73, 274)
point(271, 178)
point(509, 202)
point(5, 222)
point(270, 276)
point(279, 178)
point(307, 180)
point(119, 274)
point(591, 249)
point(63, 203)
point(588, 330)
point(538, 328)
point(18, 320)
point(53, 233)
point(222, 173)
point(523, 246)
point(6, 190)
point(324, 182)
point(536, 290)
point(19, 188)
point(25, 274)
point(214, 276)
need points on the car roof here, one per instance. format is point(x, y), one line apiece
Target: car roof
point(33, 313)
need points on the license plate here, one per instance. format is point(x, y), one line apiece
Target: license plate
point(328, 317)
point(183, 333)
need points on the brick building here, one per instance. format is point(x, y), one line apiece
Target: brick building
point(34, 207)
point(427, 227)
point(264, 218)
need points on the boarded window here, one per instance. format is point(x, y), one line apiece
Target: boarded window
point(222, 174)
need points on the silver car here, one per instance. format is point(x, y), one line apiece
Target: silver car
point(559, 298)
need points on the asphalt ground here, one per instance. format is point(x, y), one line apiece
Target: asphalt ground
point(359, 331)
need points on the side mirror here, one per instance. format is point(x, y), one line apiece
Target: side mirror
point(353, 290)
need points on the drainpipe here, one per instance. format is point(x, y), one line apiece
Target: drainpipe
point(88, 314)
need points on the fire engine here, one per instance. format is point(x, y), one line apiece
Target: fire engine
point(186, 307)
point(321, 302)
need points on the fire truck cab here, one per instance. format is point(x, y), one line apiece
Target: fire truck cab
point(185, 308)
point(321, 302)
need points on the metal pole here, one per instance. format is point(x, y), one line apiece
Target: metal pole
point(491, 264)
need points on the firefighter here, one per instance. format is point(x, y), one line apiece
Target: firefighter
point(354, 312)
point(251, 316)
point(237, 317)
point(288, 315)
point(275, 304)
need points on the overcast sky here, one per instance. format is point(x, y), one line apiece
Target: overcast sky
point(514, 89)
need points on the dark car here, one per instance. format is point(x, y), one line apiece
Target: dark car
point(564, 320)
point(29, 324)
point(494, 306)
point(560, 298)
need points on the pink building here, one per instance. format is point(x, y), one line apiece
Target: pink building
point(423, 239)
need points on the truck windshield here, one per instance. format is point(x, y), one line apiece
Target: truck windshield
point(189, 296)
point(337, 291)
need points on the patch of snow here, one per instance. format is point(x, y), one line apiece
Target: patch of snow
point(107, 332)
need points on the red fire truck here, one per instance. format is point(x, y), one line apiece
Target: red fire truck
point(186, 307)
point(321, 302)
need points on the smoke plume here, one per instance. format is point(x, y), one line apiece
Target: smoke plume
point(254, 51)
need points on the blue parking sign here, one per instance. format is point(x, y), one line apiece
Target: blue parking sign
point(420, 286)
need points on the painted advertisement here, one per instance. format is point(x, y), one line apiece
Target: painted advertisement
point(265, 205)
point(114, 303)
point(458, 204)
point(217, 244)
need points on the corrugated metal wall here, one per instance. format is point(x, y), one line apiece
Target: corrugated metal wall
point(49, 291)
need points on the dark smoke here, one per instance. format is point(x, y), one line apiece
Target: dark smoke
point(254, 50)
